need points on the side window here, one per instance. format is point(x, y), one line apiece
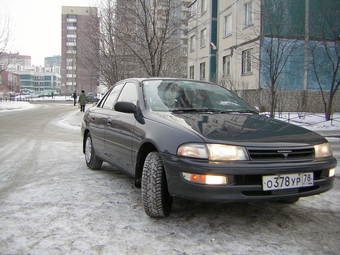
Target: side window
point(129, 93)
point(111, 99)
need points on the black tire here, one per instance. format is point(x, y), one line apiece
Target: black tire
point(91, 160)
point(290, 200)
point(156, 199)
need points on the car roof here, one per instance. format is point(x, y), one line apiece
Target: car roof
point(162, 78)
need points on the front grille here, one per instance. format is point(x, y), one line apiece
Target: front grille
point(275, 154)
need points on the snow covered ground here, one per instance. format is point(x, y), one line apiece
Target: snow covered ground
point(77, 211)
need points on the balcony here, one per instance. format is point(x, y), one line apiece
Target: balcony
point(71, 28)
point(71, 51)
point(71, 44)
point(71, 20)
point(71, 36)
point(71, 67)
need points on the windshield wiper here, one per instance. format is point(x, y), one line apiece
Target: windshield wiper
point(194, 110)
point(239, 111)
point(210, 110)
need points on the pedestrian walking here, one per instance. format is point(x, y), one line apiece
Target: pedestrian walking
point(82, 101)
point(75, 98)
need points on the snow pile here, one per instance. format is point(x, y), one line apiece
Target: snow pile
point(313, 121)
point(14, 105)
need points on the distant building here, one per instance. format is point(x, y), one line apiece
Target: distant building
point(52, 61)
point(18, 74)
point(40, 82)
point(76, 74)
point(14, 61)
point(9, 82)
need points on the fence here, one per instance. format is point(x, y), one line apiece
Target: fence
point(15, 99)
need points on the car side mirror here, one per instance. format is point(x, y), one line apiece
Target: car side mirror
point(126, 107)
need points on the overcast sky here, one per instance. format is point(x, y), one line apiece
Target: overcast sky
point(36, 26)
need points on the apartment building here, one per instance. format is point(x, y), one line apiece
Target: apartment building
point(14, 61)
point(157, 32)
point(52, 61)
point(77, 71)
point(217, 51)
point(259, 48)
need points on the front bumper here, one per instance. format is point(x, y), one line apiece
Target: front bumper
point(245, 179)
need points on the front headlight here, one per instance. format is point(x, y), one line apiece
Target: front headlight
point(226, 152)
point(193, 150)
point(322, 150)
point(216, 152)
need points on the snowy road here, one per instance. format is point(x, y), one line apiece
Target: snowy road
point(50, 203)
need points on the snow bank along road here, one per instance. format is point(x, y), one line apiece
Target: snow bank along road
point(50, 203)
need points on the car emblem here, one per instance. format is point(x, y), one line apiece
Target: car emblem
point(285, 153)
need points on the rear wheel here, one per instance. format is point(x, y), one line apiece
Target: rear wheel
point(91, 160)
point(157, 201)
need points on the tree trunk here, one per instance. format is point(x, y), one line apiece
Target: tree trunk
point(328, 108)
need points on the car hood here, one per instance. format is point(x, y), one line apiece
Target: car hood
point(242, 128)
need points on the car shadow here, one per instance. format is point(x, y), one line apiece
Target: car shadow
point(187, 210)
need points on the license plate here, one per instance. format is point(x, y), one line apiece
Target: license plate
point(287, 181)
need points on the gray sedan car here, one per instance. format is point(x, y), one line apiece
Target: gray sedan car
point(198, 141)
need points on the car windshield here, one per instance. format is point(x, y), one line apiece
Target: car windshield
point(186, 95)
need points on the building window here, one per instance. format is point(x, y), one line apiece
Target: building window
point(248, 14)
point(192, 72)
point(226, 66)
point(203, 35)
point(246, 62)
point(193, 8)
point(192, 43)
point(227, 25)
point(202, 71)
point(203, 6)
point(71, 32)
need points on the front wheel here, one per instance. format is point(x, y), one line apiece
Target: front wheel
point(157, 201)
point(91, 160)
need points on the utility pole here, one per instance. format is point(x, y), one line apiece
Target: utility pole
point(305, 64)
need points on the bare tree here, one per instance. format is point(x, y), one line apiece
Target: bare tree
point(5, 36)
point(100, 51)
point(275, 41)
point(325, 51)
point(278, 44)
point(136, 38)
point(151, 32)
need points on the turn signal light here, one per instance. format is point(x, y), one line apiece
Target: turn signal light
point(331, 172)
point(206, 179)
